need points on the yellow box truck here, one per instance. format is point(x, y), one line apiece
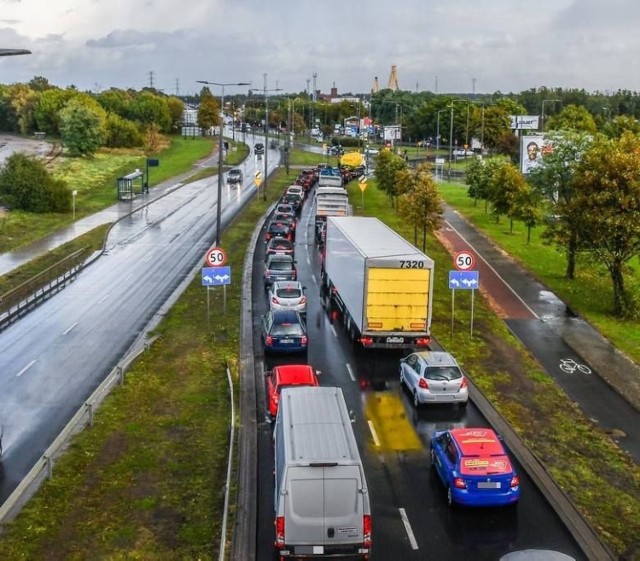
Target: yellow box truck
point(377, 284)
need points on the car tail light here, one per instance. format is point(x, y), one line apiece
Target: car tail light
point(423, 384)
point(366, 341)
point(459, 483)
point(279, 532)
point(295, 274)
point(515, 481)
point(269, 340)
point(463, 384)
point(304, 339)
point(274, 300)
point(366, 531)
point(423, 342)
point(303, 300)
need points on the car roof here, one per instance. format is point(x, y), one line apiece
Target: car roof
point(296, 374)
point(437, 358)
point(477, 441)
point(280, 257)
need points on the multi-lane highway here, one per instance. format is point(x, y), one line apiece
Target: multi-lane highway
point(411, 519)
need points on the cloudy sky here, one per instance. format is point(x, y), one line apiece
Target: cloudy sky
point(453, 46)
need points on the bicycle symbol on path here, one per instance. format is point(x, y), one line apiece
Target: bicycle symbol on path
point(569, 366)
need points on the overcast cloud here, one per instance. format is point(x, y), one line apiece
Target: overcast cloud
point(505, 45)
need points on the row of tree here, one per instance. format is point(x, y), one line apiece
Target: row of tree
point(585, 193)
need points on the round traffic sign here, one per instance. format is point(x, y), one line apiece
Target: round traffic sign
point(464, 261)
point(216, 257)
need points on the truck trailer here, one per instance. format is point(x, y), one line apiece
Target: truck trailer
point(322, 507)
point(329, 201)
point(378, 284)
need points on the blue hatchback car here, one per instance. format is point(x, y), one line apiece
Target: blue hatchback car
point(284, 332)
point(474, 467)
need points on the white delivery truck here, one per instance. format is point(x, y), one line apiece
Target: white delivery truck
point(321, 497)
point(329, 201)
point(377, 283)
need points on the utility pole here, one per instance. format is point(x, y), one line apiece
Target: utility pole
point(151, 79)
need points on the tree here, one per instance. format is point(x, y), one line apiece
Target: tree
point(421, 204)
point(504, 186)
point(573, 118)
point(387, 165)
point(115, 101)
point(25, 184)
point(148, 108)
point(176, 112)
point(622, 123)
point(121, 133)
point(82, 126)
point(553, 179)
point(47, 110)
point(208, 110)
point(23, 102)
point(605, 209)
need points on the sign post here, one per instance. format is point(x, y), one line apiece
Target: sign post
point(463, 279)
point(214, 274)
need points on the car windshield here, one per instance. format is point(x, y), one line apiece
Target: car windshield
point(442, 373)
point(287, 329)
point(288, 293)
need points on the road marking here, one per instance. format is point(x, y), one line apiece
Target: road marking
point(103, 298)
point(127, 277)
point(313, 277)
point(479, 256)
point(407, 527)
point(374, 434)
point(70, 328)
point(26, 368)
point(308, 260)
point(334, 331)
point(350, 370)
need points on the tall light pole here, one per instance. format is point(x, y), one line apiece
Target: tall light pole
point(220, 142)
point(542, 117)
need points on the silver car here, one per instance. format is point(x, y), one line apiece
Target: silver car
point(288, 295)
point(433, 377)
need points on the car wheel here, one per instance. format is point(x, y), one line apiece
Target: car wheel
point(416, 401)
point(450, 497)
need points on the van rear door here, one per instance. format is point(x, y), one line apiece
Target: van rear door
point(323, 505)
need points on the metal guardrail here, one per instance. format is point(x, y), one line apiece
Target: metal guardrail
point(23, 298)
point(43, 468)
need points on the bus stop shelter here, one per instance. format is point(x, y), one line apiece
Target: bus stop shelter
point(131, 185)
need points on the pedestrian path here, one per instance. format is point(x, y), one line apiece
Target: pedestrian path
point(13, 259)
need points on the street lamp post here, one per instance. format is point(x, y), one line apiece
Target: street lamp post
point(542, 116)
point(220, 141)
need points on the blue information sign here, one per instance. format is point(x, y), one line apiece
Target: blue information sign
point(464, 280)
point(216, 276)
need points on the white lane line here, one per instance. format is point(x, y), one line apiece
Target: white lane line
point(350, 370)
point(313, 277)
point(127, 277)
point(26, 368)
point(308, 260)
point(103, 298)
point(334, 331)
point(376, 440)
point(70, 328)
point(407, 527)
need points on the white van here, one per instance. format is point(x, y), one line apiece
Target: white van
point(321, 497)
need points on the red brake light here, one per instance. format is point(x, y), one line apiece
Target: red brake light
point(459, 483)
point(274, 300)
point(366, 531)
point(279, 532)
point(422, 342)
point(269, 340)
point(515, 481)
point(304, 339)
point(463, 384)
point(303, 300)
point(366, 341)
point(423, 384)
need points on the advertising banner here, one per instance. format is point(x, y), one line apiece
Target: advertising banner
point(524, 122)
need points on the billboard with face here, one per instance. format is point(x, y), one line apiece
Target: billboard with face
point(531, 152)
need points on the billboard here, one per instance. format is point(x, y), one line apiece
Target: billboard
point(392, 132)
point(532, 150)
point(522, 122)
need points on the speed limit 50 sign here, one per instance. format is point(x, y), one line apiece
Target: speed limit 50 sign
point(215, 257)
point(464, 261)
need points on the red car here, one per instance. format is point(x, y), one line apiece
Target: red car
point(286, 376)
